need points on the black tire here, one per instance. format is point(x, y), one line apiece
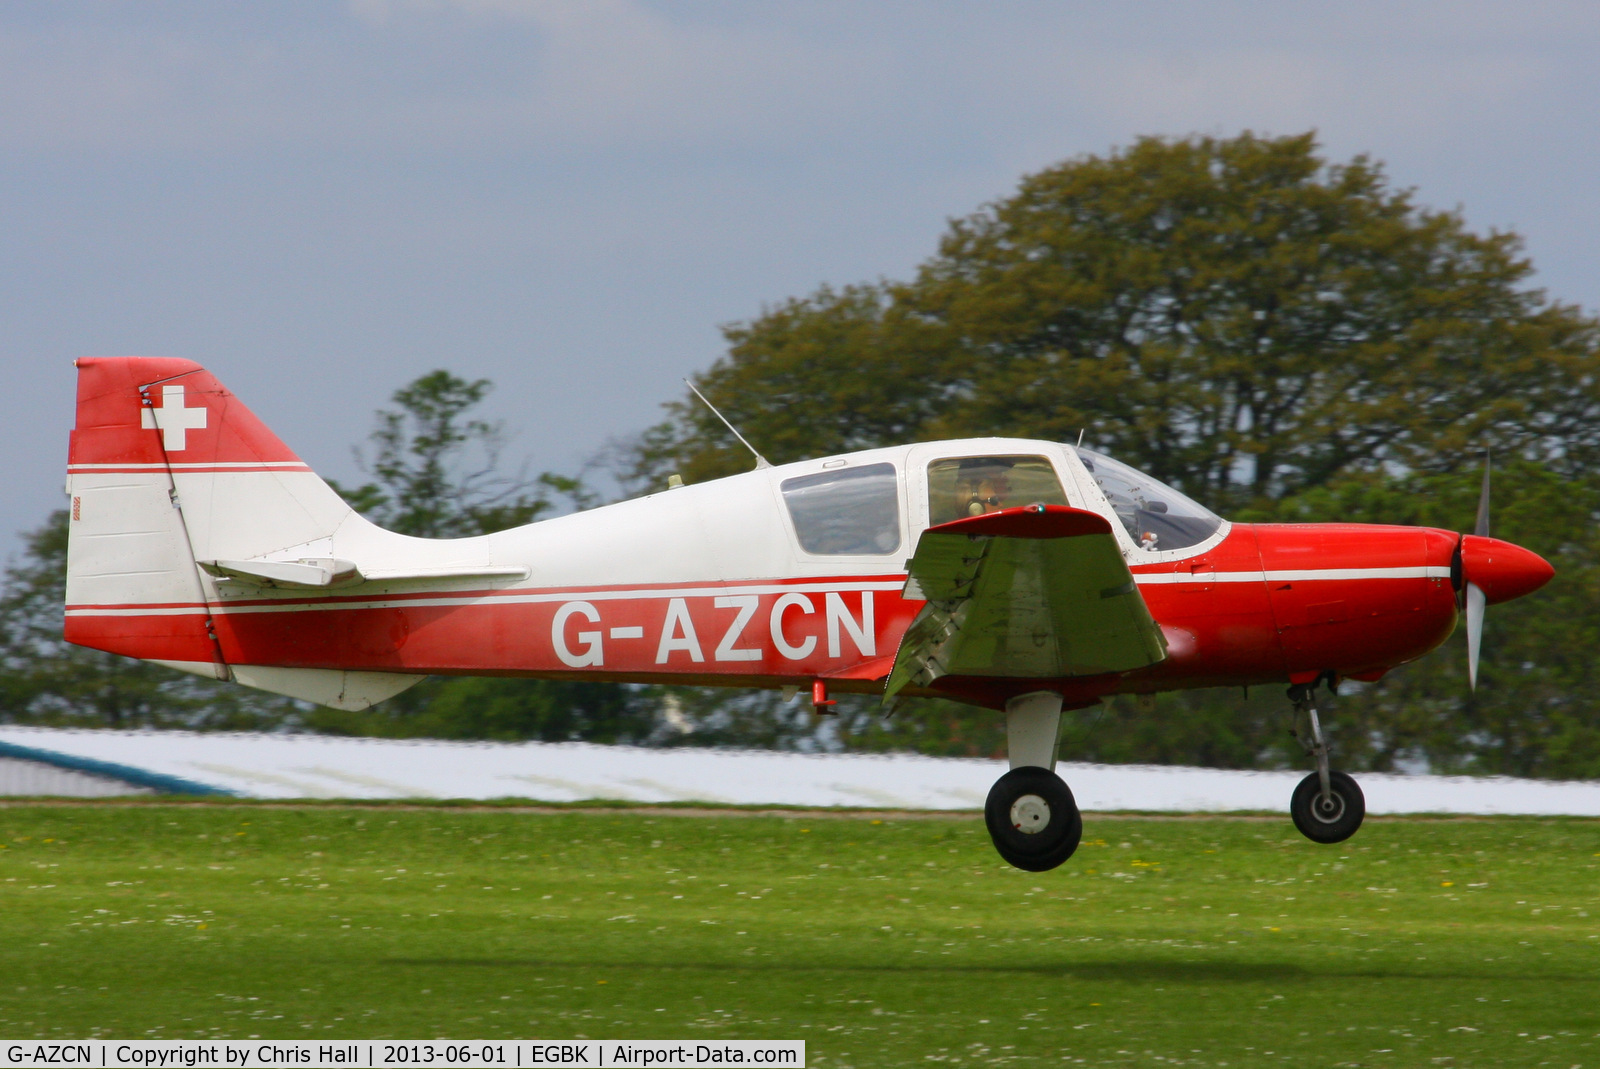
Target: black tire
point(1053, 824)
point(1328, 820)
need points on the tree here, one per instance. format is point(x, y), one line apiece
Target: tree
point(1280, 336)
point(1239, 317)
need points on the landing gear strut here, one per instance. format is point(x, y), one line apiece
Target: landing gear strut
point(1031, 814)
point(1327, 806)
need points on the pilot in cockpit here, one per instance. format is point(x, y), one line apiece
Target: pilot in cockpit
point(983, 484)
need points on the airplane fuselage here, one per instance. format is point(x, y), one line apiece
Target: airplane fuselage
point(712, 584)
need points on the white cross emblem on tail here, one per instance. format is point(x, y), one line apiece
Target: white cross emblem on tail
point(173, 420)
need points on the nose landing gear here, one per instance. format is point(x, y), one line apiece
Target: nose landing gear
point(1031, 814)
point(1327, 806)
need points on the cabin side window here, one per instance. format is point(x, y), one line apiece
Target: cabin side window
point(846, 512)
point(971, 486)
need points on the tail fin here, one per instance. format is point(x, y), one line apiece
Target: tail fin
point(168, 469)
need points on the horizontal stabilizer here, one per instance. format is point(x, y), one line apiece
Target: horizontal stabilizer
point(395, 575)
point(309, 573)
point(320, 573)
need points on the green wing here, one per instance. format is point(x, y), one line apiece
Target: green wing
point(1038, 592)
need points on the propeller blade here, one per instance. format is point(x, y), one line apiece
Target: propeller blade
point(1482, 526)
point(1475, 606)
point(1476, 600)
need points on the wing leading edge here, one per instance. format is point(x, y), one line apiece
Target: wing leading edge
point(1037, 592)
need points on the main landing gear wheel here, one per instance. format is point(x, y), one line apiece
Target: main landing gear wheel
point(1032, 818)
point(1332, 817)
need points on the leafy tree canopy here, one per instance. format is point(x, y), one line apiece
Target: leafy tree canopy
point(1240, 317)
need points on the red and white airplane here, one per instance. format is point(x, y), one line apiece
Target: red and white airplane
point(1017, 575)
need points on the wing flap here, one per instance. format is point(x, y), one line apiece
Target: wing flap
point(1035, 592)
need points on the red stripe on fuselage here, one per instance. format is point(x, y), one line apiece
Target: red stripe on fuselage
point(201, 469)
point(791, 628)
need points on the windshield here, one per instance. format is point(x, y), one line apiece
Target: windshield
point(1157, 516)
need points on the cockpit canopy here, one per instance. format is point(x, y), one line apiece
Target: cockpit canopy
point(855, 510)
point(1156, 516)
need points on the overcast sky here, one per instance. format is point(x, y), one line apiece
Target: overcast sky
point(320, 201)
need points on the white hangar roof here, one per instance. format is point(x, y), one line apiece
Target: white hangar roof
point(48, 761)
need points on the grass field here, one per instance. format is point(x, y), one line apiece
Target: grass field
point(881, 941)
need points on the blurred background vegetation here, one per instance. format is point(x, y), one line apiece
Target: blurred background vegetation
point(1283, 337)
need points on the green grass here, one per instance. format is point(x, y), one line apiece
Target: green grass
point(880, 942)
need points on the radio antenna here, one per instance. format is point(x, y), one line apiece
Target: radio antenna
point(761, 461)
